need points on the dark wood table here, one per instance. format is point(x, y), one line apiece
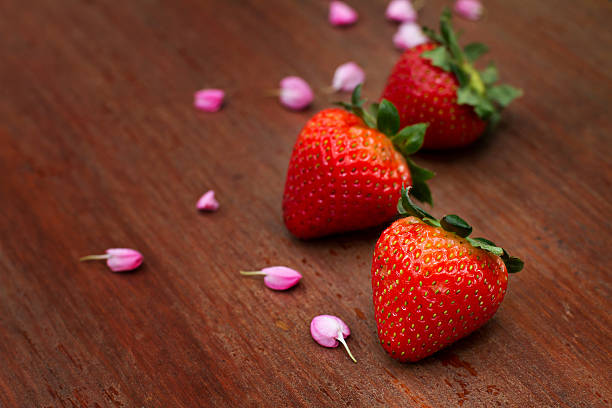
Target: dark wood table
point(101, 147)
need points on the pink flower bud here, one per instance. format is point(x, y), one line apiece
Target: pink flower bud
point(401, 10)
point(208, 202)
point(277, 277)
point(347, 77)
point(295, 93)
point(409, 35)
point(119, 259)
point(341, 14)
point(209, 100)
point(329, 330)
point(470, 9)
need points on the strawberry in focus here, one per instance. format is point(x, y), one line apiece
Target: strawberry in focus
point(436, 83)
point(348, 166)
point(432, 284)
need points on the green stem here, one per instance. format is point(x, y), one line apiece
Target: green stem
point(272, 93)
point(475, 79)
point(341, 340)
point(94, 257)
point(251, 273)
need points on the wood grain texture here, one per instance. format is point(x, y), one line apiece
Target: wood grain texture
point(100, 147)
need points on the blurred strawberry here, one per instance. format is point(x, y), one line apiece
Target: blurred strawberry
point(436, 83)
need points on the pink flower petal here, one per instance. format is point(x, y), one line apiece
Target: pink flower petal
point(208, 202)
point(470, 9)
point(209, 100)
point(295, 93)
point(401, 10)
point(328, 330)
point(281, 277)
point(118, 259)
point(347, 77)
point(277, 277)
point(123, 259)
point(324, 330)
point(341, 14)
point(409, 35)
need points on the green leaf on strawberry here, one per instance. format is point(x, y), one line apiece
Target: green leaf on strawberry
point(433, 35)
point(503, 94)
point(513, 264)
point(406, 207)
point(356, 96)
point(410, 139)
point(476, 88)
point(480, 243)
point(420, 175)
point(489, 75)
point(387, 119)
point(439, 57)
point(374, 109)
point(457, 225)
point(473, 51)
point(468, 96)
point(449, 37)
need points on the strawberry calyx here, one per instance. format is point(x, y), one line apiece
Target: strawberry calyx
point(385, 118)
point(476, 88)
point(458, 226)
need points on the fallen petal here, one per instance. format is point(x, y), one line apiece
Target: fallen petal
point(295, 93)
point(329, 331)
point(401, 10)
point(347, 77)
point(324, 330)
point(118, 259)
point(123, 259)
point(277, 277)
point(409, 35)
point(209, 100)
point(470, 9)
point(281, 277)
point(341, 14)
point(208, 202)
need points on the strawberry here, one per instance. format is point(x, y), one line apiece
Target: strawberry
point(436, 83)
point(432, 284)
point(347, 167)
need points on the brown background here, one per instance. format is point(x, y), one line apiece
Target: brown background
point(101, 147)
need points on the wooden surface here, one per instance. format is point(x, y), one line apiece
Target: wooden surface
point(100, 147)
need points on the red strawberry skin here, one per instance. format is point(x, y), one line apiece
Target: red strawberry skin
point(431, 288)
point(343, 176)
point(422, 92)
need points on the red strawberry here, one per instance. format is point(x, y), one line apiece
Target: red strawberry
point(432, 285)
point(437, 84)
point(347, 168)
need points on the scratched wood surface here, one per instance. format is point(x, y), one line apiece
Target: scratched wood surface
point(100, 147)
